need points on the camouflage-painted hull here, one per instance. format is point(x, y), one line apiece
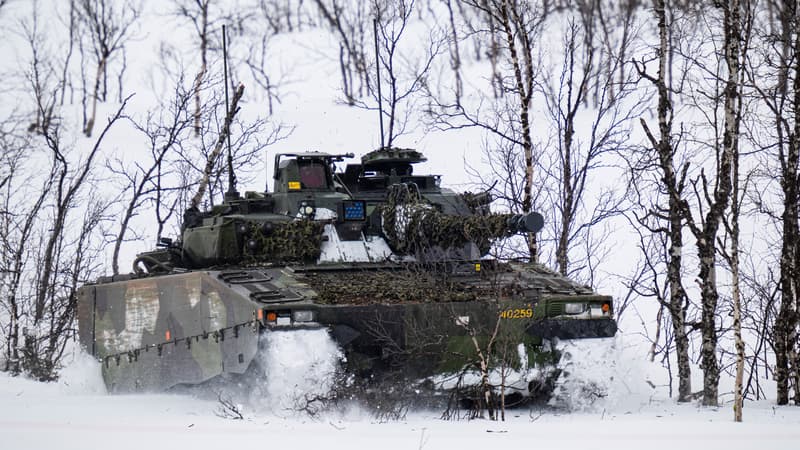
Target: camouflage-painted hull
point(152, 333)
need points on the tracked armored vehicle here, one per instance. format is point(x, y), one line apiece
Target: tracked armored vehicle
point(393, 264)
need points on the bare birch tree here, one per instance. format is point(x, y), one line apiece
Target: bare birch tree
point(733, 230)
point(196, 11)
point(672, 177)
point(736, 42)
point(518, 27)
point(455, 51)
point(109, 25)
point(585, 141)
point(263, 73)
point(716, 193)
point(202, 164)
point(774, 72)
point(349, 21)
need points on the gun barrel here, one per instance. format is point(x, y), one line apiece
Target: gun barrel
point(526, 223)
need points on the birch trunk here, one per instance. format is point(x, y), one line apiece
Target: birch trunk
point(791, 180)
point(664, 150)
point(738, 400)
point(198, 80)
point(706, 242)
point(214, 155)
point(90, 123)
point(786, 363)
point(524, 92)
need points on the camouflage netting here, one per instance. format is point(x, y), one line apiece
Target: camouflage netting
point(296, 241)
point(411, 225)
point(478, 203)
point(393, 287)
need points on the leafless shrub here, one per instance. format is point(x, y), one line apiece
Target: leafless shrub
point(403, 76)
point(228, 409)
point(147, 181)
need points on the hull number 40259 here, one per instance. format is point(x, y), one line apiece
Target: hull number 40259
point(524, 313)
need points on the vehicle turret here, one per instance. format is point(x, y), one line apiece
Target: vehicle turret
point(311, 207)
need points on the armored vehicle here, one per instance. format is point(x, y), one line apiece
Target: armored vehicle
point(395, 266)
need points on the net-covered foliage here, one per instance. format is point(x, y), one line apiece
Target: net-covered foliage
point(295, 241)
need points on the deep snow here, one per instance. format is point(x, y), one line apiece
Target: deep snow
point(76, 413)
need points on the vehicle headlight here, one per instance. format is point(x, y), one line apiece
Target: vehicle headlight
point(306, 208)
point(574, 308)
point(242, 228)
point(283, 321)
point(303, 316)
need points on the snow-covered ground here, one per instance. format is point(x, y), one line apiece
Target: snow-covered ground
point(76, 413)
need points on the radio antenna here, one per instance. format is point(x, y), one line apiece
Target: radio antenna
point(231, 194)
point(378, 72)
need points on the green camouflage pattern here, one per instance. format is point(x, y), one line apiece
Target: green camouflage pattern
point(412, 225)
point(195, 310)
point(296, 241)
point(242, 241)
point(156, 332)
